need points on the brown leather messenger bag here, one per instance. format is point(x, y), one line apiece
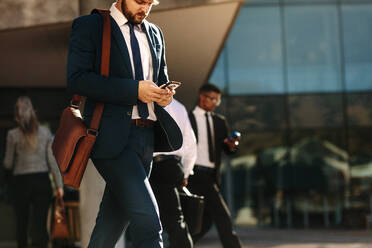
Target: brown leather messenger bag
point(74, 141)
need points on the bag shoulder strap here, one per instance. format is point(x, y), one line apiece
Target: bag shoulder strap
point(105, 69)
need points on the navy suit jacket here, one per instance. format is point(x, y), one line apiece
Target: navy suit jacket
point(119, 91)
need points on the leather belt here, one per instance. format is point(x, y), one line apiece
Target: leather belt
point(205, 169)
point(143, 123)
point(161, 158)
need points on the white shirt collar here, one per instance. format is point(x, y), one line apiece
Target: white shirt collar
point(200, 111)
point(119, 17)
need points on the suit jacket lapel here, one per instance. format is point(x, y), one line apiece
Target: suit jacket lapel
point(118, 37)
point(215, 128)
point(193, 124)
point(150, 39)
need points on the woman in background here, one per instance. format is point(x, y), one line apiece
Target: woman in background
point(29, 156)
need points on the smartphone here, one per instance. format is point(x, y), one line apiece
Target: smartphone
point(172, 85)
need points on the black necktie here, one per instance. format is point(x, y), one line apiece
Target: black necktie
point(142, 107)
point(210, 143)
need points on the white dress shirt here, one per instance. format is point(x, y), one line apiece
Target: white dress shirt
point(146, 57)
point(202, 147)
point(187, 152)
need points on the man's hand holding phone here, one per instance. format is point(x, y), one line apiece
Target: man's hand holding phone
point(170, 88)
point(171, 85)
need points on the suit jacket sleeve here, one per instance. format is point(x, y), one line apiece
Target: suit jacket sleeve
point(225, 147)
point(82, 78)
point(189, 145)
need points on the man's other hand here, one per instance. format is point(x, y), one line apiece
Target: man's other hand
point(232, 143)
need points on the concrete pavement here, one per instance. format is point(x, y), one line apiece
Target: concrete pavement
point(284, 238)
point(274, 238)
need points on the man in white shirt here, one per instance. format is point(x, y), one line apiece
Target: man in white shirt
point(211, 131)
point(171, 171)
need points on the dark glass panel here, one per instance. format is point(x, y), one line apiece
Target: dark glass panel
point(320, 176)
point(316, 111)
point(256, 176)
point(359, 109)
point(247, 113)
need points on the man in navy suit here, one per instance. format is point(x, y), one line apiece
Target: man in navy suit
point(134, 123)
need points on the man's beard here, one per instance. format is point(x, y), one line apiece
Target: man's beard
point(130, 16)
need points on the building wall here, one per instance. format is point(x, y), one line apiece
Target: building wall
point(28, 13)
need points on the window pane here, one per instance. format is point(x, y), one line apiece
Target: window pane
point(320, 174)
point(313, 48)
point(218, 75)
point(257, 113)
point(315, 111)
point(360, 145)
point(260, 2)
point(360, 142)
point(254, 52)
point(357, 22)
point(256, 181)
point(359, 109)
point(310, 1)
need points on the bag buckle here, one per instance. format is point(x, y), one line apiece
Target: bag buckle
point(92, 132)
point(75, 104)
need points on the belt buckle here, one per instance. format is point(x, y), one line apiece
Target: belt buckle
point(158, 159)
point(139, 123)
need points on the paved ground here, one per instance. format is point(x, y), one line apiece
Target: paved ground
point(272, 238)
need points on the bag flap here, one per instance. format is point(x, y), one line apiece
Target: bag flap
point(70, 131)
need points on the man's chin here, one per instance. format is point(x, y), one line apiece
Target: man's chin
point(139, 20)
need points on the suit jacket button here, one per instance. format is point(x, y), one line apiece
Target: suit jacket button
point(129, 113)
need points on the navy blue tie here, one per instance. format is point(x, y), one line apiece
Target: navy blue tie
point(142, 107)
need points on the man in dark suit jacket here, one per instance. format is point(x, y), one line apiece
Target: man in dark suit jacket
point(211, 131)
point(133, 124)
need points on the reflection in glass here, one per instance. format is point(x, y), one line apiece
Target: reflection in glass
point(257, 113)
point(360, 142)
point(357, 23)
point(255, 180)
point(254, 52)
point(316, 170)
point(315, 110)
point(310, 2)
point(360, 145)
point(260, 2)
point(321, 174)
point(359, 109)
point(313, 48)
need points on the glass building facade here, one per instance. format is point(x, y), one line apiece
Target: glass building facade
point(297, 82)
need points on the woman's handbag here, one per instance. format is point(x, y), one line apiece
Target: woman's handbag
point(193, 210)
point(74, 141)
point(60, 226)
